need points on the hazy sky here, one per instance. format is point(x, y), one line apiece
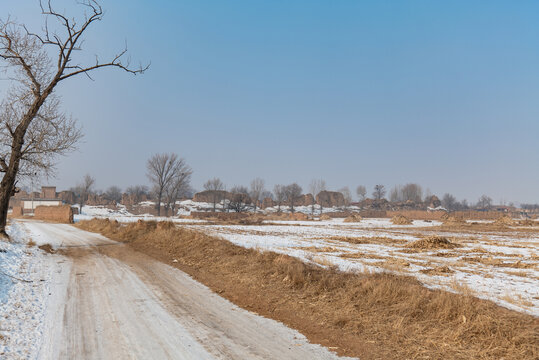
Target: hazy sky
point(445, 94)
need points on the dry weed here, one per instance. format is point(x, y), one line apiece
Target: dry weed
point(401, 220)
point(432, 242)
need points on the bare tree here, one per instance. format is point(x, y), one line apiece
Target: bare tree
point(239, 199)
point(345, 191)
point(257, 188)
point(30, 104)
point(85, 188)
point(162, 171)
point(485, 202)
point(449, 202)
point(379, 192)
point(178, 187)
point(315, 187)
point(280, 195)
point(361, 192)
point(137, 190)
point(412, 192)
point(114, 193)
point(216, 187)
point(292, 193)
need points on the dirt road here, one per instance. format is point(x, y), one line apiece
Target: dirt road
point(109, 302)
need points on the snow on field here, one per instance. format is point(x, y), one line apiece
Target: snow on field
point(25, 291)
point(122, 215)
point(503, 267)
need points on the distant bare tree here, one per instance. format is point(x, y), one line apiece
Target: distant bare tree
point(280, 195)
point(379, 192)
point(292, 193)
point(412, 192)
point(361, 192)
point(257, 188)
point(178, 187)
point(114, 193)
point(485, 202)
point(395, 195)
point(345, 191)
point(239, 199)
point(162, 171)
point(137, 191)
point(449, 202)
point(85, 188)
point(214, 185)
point(315, 187)
point(33, 129)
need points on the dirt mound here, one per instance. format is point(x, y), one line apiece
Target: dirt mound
point(353, 218)
point(325, 217)
point(401, 220)
point(432, 242)
point(298, 217)
point(504, 221)
point(453, 220)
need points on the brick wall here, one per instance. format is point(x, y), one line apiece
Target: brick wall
point(63, 213)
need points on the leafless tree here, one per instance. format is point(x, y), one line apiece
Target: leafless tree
point(345, 191)
point(257, 188)
point(379, 192)
point(162, 171)
point(485, 202)
point(361, 192)
point(239, 199)
point(412, 192)
point(114, 193)
point(292, 193)
point(85, 188)
point(137, 190)
point(280, 195)
point(315, 187)
point(178, 187)
point(216, 187)
point(395, 195)
point(449, 202)
point(34, 131)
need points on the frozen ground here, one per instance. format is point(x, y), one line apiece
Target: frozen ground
point(500, 266)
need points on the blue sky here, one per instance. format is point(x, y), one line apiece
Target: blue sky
point(444, 94)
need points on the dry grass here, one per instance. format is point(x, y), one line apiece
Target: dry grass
point(31, 243)
point(373, 316)
point(432, 242)
point(325, 217)
point(438, 270)
point(381, 240)
point(47, 248)
point(401, 220)
point(355, 218)
point(504, 221)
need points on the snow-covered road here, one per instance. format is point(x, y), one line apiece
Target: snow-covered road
point(109, 302)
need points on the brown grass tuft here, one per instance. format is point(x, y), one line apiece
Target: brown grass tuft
point(31, 243)
point(504, 221)
point(401, 220)
point(432, 242)
point(367, 315)
point(47, 248)
point(355, 218)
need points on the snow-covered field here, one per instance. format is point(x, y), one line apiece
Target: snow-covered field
point(500, 266)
